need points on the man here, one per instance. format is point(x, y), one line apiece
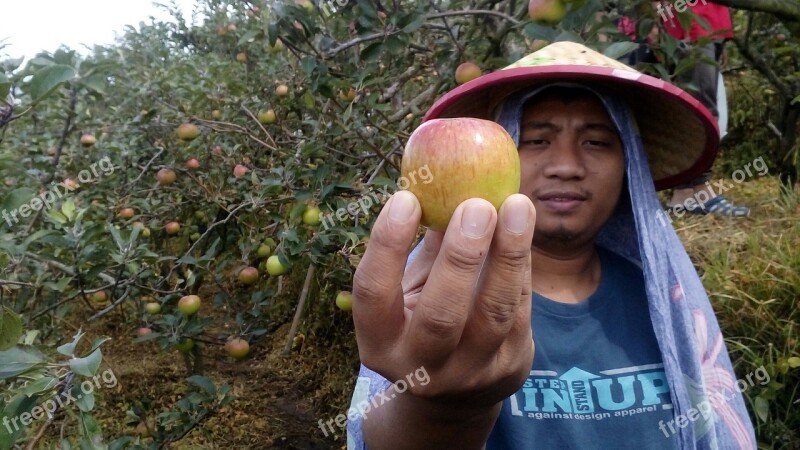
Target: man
point(709, 38)
point(591, 331)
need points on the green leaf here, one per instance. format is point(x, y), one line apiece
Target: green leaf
point(10, 329)
point(248, 37)
point(69, 349)
point(620, 49)
point(14, 408)
point(57, 217)
point(98, 342)
point(48, 78)
point(87, 366)
point(762, 408)
point(18, 360)
point(203, 383)
point(794, 362)
point(84, 400)
point(5, 85)
point(92, 434)
point(40, 386)
point(68, 209)
point(17, 198)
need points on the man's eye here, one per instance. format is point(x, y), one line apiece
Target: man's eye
point(598, 143)
point(532, 142)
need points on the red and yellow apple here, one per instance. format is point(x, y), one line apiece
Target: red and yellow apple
point(239, 171)
point(166, 177)
point(126, 213)
point(189, 304)
point(248, 275)
point(187, 131)
point(464, 158)
point(547, 11)
point(467, 71)
point(172, 228)
point(193, 164)
point(237, 348)
point(88, 140)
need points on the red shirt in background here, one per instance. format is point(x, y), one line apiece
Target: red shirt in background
point(717, 16)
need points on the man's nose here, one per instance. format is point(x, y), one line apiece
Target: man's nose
point(565, 161)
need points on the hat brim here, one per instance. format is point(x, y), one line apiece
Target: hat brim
point(679, 134)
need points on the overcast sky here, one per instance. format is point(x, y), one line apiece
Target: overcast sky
point(30, 26)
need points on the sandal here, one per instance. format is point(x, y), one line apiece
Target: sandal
point(718, 205)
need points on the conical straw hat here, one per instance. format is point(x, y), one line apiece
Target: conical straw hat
point(679, 134)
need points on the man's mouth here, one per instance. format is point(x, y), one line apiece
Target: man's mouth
point(562, 201)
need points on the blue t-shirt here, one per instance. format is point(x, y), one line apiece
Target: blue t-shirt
point(598, 380)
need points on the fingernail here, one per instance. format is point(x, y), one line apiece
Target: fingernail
point(402, 207)
point(516, 215)
point(475, 219)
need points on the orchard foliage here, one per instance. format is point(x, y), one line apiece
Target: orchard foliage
point(297, 105)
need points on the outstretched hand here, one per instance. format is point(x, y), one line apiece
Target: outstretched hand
point(462, 308)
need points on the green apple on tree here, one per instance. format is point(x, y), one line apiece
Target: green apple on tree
point(275, 266)
point(312, 216)
point(263, 251)
point(267, 117)
point(185, 345)
point(189, 304)
point(152, 308)
point(187, 131)
point(449, 148)
point(344, 301)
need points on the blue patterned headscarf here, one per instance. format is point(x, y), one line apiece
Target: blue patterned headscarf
point(696, 361)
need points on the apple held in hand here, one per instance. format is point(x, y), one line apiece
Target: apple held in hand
point(465, 158)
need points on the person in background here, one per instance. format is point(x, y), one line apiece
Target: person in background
point(705, 76)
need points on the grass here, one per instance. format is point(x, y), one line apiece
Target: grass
point(751, 270)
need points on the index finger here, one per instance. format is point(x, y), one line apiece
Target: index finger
point(377, 292)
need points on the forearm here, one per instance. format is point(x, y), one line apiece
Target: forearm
point(407, 422)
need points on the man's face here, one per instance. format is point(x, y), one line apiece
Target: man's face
point(572, 169)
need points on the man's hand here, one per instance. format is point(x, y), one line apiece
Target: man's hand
point(462, 311)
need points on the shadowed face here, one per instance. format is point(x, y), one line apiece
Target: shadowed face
point(572, 168)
